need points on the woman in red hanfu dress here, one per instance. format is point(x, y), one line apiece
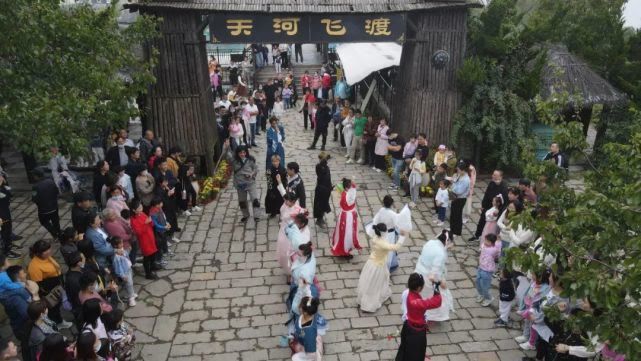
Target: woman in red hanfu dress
point(345, 235)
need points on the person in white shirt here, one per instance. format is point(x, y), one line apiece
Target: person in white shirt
point(442, 201)
point(224, 102)
point(128, 142)
point(250, 111)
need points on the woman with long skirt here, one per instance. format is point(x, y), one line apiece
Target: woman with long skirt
point(432, 265)
point(323, 190)
point(303, 273)
point(275, 138)
point(273, 198)
point(345, 235)
point(288, 210)
point(380, 149)
point(307, 331)
point(373, 284)
point(387, 216)
point(414, 333)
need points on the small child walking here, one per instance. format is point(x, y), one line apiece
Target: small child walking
point(490, 251)
point(506, 298)
point(122, 268)
point(442, 200)
point(287, 97)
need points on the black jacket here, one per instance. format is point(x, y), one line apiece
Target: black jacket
point(506, 290)
point(323, 118)
point(5, 200)
point(296, 186)
point(113, 157)
point(45, 196)
point(99, 180)
point(80, 218)
point(492, 191)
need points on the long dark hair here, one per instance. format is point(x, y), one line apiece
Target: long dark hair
point(84, 347)
point(54, 348)
point(379, 229)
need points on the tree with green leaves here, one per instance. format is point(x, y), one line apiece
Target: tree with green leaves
point(67, 73)
point(498, 80)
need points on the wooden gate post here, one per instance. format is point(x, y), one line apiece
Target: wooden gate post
point(180, 104)
point(426, 97)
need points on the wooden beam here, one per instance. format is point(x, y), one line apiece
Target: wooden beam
point(370, 91)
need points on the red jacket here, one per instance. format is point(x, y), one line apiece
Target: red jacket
point(416, 307)
point(327, 81)
point(305, 81)
point(145, 232)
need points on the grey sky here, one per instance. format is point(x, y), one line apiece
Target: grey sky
point(632, 13)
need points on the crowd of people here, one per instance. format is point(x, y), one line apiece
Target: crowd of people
point(129, 217)
point(140, 190)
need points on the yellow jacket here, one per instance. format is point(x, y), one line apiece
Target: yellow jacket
point(381, 248)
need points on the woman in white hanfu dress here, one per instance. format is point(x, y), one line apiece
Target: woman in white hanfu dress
point(283, 246)
point(432, 266)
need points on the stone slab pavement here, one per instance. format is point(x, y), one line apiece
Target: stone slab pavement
point(222, 297)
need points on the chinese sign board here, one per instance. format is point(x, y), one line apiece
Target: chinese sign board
point(301, 28)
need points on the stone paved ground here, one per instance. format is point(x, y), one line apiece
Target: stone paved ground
point(222, 297)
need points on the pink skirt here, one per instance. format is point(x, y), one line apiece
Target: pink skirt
point(283, 251)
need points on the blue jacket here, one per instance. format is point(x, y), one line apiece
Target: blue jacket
point(7, 284)
point(102, 248)
point(122, 265)
point(15, 302)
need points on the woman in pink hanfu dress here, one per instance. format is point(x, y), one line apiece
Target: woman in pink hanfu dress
point(345, 235)
point(288, 210)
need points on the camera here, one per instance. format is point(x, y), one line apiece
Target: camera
point(437, 285)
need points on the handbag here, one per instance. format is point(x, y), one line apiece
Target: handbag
point(56, 296)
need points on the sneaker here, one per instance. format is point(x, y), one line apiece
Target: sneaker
point(244, 219)
point(13, 255)
point(151, 276)
point(134, 296)
point(520, 339)
point(171, 253)
point(186, 213)
point(440, 224)
point(527, 346)
point(360, 161)
point(392, 187)
point(465, 220)
point(500, 323)
point(412, 204)
point(346, 155)
point(311, 147)
point(377, 170)
point(472, 239)
point(175, 240)
point(323, 148)
point(349, 161)
point(479, 299)
point(486, 303)
point(64, 324)
point(132, 302)
point(196, 209)
point(373, 168)
point(435, 221)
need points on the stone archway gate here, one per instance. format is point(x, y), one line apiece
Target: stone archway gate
point(179, 105)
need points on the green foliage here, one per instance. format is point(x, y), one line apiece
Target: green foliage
point(60, 69)
point(497, 81)
point(596, 237)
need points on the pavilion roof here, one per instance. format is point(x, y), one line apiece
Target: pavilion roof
point(565, 71)
point(302, 6)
